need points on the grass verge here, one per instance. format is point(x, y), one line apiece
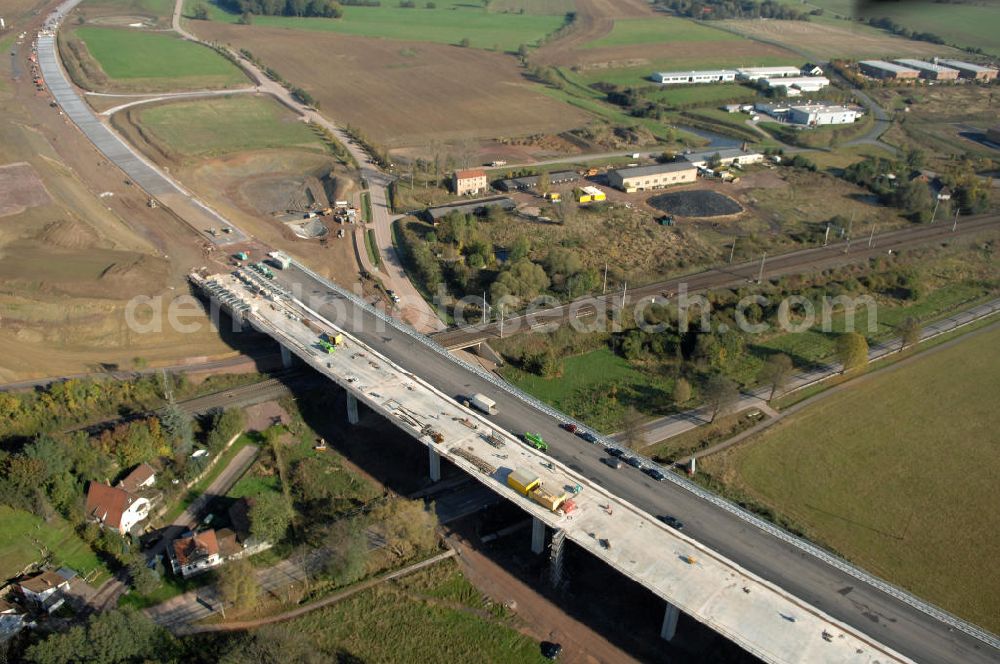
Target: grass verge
point(27, 539)
point(372, 247)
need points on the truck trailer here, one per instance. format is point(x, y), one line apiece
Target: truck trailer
point(484, 403)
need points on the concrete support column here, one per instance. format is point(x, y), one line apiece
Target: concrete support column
point(435, 463)
point(537, 535)
point(670, 616)
point(352, 408)
point(286, 358)
point(556, 551)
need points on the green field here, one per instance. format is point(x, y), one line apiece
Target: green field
point(659, 30)
point(161, 9)
point(221, 125)
point(26, 536)
point(702, 94)
point(897, 473)
point(133, 57)
point(964, 24)
point(432, 616)
point(594, 387)
point(449, 23)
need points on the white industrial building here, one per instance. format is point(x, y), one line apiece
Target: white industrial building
point(813, 115)
point(726, 157)
point(800, 83)
point(688, 77)
point(754, 73)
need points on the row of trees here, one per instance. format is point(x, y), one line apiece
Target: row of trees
point(321, 8)
point(722, 9)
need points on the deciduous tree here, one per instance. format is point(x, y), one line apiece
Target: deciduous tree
point(776, 372)
point(852, 351)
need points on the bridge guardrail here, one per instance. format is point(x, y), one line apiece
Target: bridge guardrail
point(940, 327)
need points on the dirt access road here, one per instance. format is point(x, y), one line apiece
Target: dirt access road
point(416, 311)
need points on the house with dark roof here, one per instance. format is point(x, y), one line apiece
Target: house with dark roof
point(195, 553)
point(115, 508)
point(142, 477)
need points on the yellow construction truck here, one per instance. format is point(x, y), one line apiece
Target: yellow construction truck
point(530, 485)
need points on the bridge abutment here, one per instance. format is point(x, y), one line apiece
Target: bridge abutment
point(352, 408)
point(669, 628)
point(435, 464)
point(537, 535)
point(286, 357)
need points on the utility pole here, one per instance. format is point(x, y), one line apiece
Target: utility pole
point(486, 308)
point(826, 235)
point(732, 251)
point(760, 276)
point(604, 289)
point(624, 292)
point(955, 225)
point(871, 237)
point(936, 204)
point(501, 321)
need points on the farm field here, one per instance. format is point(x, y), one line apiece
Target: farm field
point(130, 60)
point(968, 25)
point(897, 473)
point(407, 94)
point(629, 31)
point(24, 532)
point(431, 616)
point(449, 22)
point(823, 41)
point(221, 125)
point(126, 12)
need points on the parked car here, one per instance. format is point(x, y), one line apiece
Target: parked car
point(614, 451)
point(673, 522)
point(589, 436)
point(635, 462)
point(655, 473)
point(612, 462)
point(569, 426)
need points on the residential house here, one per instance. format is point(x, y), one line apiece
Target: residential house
point(470, 181)
point(142, 477)
point(44, 590)
point(115, 508)
point(811, 69)
point(195, 553)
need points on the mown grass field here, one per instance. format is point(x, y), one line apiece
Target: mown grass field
point(897, 473)
point(658, 30)
point(25, 536)
point(210, 127)
point(432, 616)
point(136, 57)
point(703, 94)
point(449, 22)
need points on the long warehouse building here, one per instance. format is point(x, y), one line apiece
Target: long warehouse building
point(886, 70)
point(971, 71)
point(643, 178)
point(929, 70)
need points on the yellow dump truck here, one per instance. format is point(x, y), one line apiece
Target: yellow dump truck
point(336, 339)
point(528, 484)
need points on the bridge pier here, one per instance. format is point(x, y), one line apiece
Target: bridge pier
point(556, 552)
point(352, 408)
point(669, 628)
point(537, 535)
point(435, 464)
point(286, 357)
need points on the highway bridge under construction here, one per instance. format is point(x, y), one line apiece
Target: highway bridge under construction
point(755, 613)
point(776, 595)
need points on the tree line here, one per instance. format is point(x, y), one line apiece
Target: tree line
point(312, 8)
point(723, 9)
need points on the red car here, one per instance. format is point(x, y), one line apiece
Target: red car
point(569, 426)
